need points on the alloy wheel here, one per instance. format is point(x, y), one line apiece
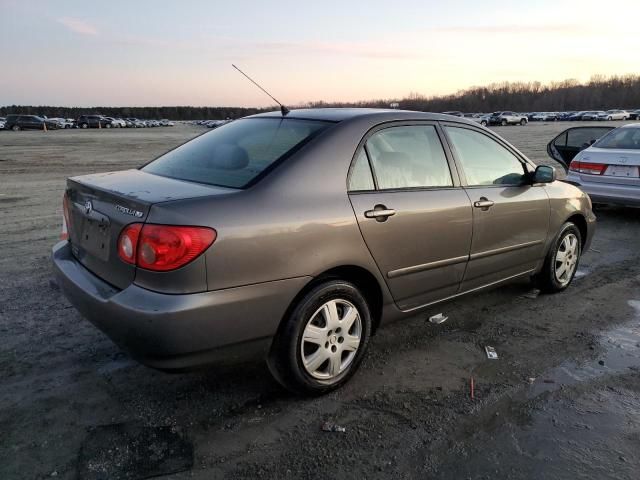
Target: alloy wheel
point(331, 339)
point(566, 259)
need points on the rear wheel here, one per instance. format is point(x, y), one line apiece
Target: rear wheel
point(503, 123)
point(84, 125)
point(322, 341)
point(16, 128)
point(483, 123)
point(523, 122)
point(562, 260)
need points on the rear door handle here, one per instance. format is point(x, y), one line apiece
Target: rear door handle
point(484, 203)
point(380, 213)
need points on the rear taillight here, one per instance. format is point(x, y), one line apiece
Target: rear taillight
point(66, 218)
point(590, 168)
point(163, 247)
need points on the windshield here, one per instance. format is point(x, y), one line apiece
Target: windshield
point(235, 154)
point(623, 138)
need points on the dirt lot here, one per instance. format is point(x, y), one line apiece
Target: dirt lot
point(562, 401)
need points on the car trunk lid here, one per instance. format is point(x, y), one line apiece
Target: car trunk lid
point(101, 205)
point(622, 165)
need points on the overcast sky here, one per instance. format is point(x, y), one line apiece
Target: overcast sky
point(135, 53)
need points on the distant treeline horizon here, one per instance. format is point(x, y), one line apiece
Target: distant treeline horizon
point(599, 93)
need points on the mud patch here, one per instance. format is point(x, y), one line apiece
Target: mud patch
point(129, 451)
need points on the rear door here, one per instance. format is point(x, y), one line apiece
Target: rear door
point(566, 146)
point(510, 216)
point(414, 217)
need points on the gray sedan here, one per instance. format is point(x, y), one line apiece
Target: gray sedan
point(301, 234)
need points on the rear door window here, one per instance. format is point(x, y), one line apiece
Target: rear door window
point(409, 156)
point(237, 153)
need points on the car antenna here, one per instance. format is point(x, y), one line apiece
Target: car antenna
point(284, 110)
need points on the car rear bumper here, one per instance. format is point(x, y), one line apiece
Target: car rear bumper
point(626, 195)
point(178, 332)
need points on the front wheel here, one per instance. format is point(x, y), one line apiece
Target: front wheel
point(503, 123)
point(562, 260)
point(483, 123)
point(523, 122)
point(16, 128)
point(322, 341)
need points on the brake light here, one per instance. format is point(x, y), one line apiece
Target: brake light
point(66, 218)
point(163, 247)
point(590, 168)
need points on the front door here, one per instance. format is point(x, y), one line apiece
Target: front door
point(414, 217)
point(510, 215)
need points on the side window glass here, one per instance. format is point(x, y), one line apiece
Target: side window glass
point(361, 178)
point(485, 161)
point(409, 157)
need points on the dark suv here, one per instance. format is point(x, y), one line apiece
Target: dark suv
point(93, 121)
point(27, 122)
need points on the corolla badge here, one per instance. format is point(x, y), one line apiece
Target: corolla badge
point(88, 207)
point(130, 211)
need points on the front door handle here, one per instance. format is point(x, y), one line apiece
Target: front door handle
point(484, 203)
point(380, 213)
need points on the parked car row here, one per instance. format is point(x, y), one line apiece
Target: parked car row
point(210, 123)
point(512, 118)
point(18, 122)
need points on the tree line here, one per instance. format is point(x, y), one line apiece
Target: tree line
point(598, 93)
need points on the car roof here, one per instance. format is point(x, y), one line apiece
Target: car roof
point(341, 114)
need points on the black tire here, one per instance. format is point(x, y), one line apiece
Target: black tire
point(108, 125)
point(503, 123)
point(16, 128)
point(286, 359)
point(483, 123)
point(547, 280)
point(523, 122)
point(84, 125)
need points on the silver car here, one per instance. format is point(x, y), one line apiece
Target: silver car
point(609, 170)
point(300, 234)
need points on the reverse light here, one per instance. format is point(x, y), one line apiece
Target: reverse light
point(589, 168)
point(128, 243)
point(163, 247)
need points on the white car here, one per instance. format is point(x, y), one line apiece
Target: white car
point(2, 122)
point(166, 123)
point(63, 122)
point(117, 122)
point(481, 118)
point(614, 115)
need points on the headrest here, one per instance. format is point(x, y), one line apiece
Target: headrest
point(229, 157)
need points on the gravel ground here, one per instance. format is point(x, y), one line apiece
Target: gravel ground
point(562, 401)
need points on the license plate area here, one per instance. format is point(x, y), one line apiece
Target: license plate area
point(622, 171)
point(94, 235)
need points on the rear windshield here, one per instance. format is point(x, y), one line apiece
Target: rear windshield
point(623, 138)
point(237, 153)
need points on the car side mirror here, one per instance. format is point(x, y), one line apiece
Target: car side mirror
point(544, 174)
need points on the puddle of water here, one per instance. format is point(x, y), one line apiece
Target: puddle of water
point(622, 353)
